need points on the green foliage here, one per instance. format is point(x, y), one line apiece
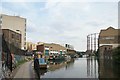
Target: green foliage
point(20, 62)
point(97, 53)
point(116, 54)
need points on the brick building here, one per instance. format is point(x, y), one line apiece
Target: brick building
point(108, 39)
point(16, 24)
point(48, 49)
point(12, 37)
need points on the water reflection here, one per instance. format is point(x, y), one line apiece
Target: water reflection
point(54, 65)
point(108, 69)
point(81, 68)
point(92, 67)
point(69, 64)
point(43, 71)
point(75, 68)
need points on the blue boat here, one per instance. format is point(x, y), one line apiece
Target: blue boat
point(42, 63)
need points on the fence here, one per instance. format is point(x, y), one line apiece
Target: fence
point(19, 58)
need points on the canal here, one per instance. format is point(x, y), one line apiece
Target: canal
point(80, 68)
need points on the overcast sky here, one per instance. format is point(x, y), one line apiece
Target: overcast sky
point(64, 21)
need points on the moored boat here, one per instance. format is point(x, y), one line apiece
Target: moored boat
point(42, 63)
point(42, 60)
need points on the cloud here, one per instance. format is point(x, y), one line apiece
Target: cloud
point(72, 22)
point(60, 0)
point(64, 22)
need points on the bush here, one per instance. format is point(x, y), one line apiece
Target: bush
point(20, 62)
point(116, 54)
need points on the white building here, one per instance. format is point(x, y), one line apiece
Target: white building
point(30, 46)
point(14, 23)
point(68, 46)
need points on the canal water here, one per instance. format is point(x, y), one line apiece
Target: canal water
point(80, 68)
point(74, 68)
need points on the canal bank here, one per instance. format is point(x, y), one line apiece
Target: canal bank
point(25, 71)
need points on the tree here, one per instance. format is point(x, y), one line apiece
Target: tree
point(116, 54)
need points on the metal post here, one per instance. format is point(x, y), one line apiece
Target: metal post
point(91, 43)
point(88, 42)
point(95, 42)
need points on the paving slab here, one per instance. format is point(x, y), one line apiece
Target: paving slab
point(25, 71)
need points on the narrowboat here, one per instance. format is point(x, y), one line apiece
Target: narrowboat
point(42, 63)
point(42, 60)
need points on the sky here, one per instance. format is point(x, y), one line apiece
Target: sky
point(63, 21)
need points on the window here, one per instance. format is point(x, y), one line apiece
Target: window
point(12, 35)
point(46, 52)
point(105, 48)
point(0, 21)
point(66, 45)
point(109, 38)
point(60, 52)
point(18, 37)
point(106, 38)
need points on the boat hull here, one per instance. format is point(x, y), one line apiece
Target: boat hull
point(43, 66)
